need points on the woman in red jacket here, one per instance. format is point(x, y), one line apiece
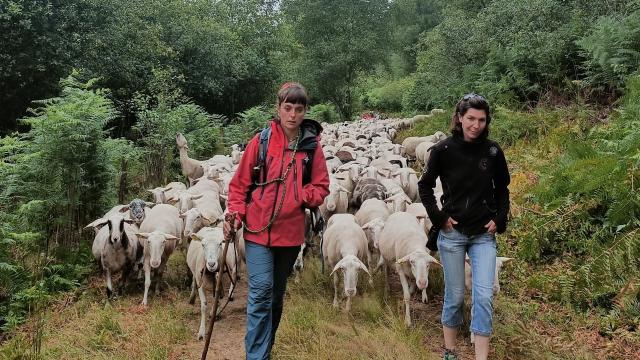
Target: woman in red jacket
point(273, 211)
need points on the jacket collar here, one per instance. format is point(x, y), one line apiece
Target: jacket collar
point(308, 141)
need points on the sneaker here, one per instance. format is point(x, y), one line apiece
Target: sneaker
point(449, 355)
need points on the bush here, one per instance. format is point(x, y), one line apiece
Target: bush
point(323, 113)
point(612, 50)
point(247, 124)
point(388, 97)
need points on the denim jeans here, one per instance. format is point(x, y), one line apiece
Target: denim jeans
point(481, 248)
point(268, 269)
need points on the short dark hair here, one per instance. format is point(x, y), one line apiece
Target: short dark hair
point(470, 101)
point(294, 93)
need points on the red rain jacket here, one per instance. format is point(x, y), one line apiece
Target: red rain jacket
point(288, 228)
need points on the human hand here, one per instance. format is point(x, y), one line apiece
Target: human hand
point(448, 225)
point(226, 227)
point(491, 227)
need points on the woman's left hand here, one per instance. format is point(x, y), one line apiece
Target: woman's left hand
point(491, 227)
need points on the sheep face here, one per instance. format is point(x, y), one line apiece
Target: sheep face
point(419, 262)
point(155, 244)
point(193, 221)
point(116, 230)
point(212, 248)
point(136, 210)
point(398, 202)
point(350, 265)
point(185, 201)
point(158, 195)
point(181, 141)
point(372, 229)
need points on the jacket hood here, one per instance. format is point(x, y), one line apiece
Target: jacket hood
point(311, 129)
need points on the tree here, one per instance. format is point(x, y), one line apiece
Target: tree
point(337, 40)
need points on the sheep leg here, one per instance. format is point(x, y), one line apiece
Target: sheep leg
point(380, 264)
point(159, 278)
point(147, 282)
point(406, 294)
point(126, 272)
point(336, 282)
point(109, 284)
point(203, 312)
point(234, 272)
point(192, 296)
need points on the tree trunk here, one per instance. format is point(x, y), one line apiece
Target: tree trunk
point(122, 184)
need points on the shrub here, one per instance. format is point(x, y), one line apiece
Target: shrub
point(323, 113)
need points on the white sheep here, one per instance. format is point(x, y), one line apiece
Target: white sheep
point(370, 211)
point(403, 244)
point(158, 235)
point(191, 168)
point(204, 258)
point(344, 247)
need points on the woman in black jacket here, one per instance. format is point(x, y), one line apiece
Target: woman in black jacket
point(475, 205)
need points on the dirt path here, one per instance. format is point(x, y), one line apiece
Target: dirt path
point(227, 340)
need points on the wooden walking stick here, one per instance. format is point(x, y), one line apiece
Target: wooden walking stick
point(229, 218)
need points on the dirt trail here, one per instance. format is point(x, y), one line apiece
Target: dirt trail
point(227, 340)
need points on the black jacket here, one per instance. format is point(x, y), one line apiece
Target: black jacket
point(474, 178)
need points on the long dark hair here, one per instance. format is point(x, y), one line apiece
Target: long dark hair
point(467, 102)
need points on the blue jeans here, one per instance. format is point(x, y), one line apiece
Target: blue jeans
point(268, 269)
point(481, 248)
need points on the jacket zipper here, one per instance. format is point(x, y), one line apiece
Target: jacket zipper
point(275, 201)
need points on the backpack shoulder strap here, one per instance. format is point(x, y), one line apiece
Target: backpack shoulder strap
point(265, 134)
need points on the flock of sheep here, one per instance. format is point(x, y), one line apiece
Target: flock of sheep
point(373, 210)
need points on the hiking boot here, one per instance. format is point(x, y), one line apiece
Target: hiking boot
point(449, 355)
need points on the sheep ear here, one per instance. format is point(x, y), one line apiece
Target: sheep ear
point(366, 226)
point(338, 266)
point(98, 223)
point(403, 259)
point(149, 204)
point(196, 197)
point(433, 261)
point(170, 237)
point(142, 235)
point(167, 188)
point(195, 237)
point(172, 200)
point(182, 215)
point(124, 209)
point(364, 267)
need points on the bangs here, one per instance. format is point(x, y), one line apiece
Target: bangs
point(294, 94)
